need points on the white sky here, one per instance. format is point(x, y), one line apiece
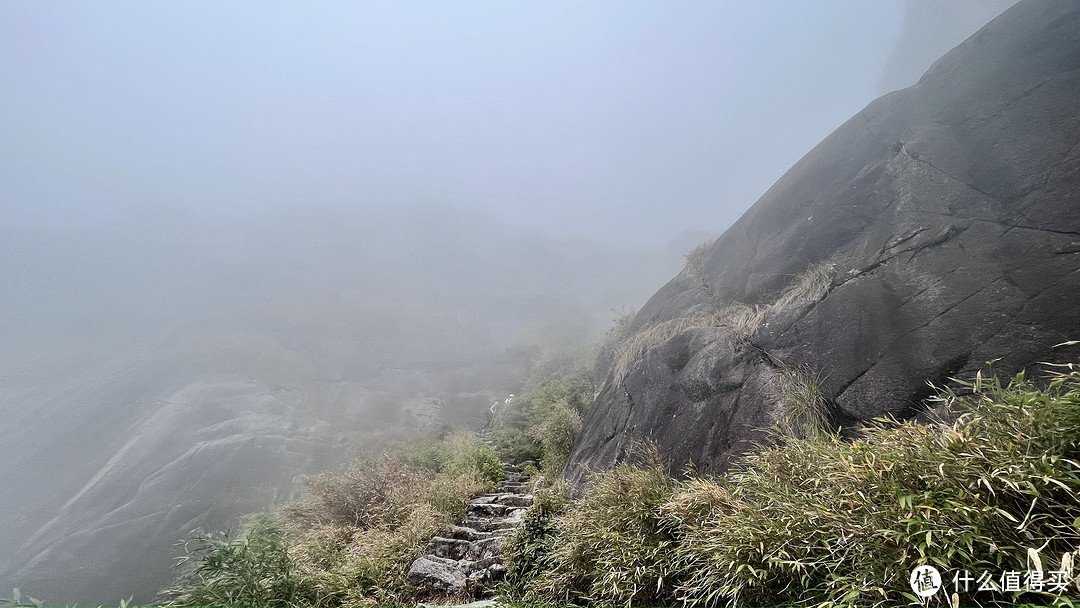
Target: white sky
point(620, 120)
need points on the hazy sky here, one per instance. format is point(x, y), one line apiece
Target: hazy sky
point(614, 118)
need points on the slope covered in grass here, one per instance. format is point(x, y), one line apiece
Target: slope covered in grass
point(820, 521)
point(350, 542)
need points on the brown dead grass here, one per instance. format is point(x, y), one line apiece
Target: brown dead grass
point(695, 261)
point(738, 320)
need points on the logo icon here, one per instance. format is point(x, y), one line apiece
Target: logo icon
point(925, 581)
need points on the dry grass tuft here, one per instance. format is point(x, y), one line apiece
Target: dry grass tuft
point(804, 411)
point(740, 321)
point(700, 499)
point(809, 286)
point(695, 261)
point(635, 347)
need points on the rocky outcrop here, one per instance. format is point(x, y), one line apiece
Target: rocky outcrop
point(936, 230)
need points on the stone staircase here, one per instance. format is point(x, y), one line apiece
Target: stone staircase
point(465, 563)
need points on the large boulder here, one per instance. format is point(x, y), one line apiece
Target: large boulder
point(934, 231)
point(438, 575)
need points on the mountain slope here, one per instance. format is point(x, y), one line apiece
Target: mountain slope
point(935, 230)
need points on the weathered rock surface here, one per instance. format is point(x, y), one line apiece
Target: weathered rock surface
point(437, 574)
point(947, 216)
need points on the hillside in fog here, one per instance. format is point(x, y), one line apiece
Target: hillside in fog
point(168, 374)
point(240, 242)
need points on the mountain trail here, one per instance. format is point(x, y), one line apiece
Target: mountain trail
point(464, 565)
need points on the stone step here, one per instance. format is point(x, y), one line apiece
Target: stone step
point(486, 499)
point(512, 468)
point(437, 575)
point(516, 500)
point(496, 524)
point(450, 548)
point(513, 487)
point(516, 478)
point(453, 577)
point(491, 509)
point(465, 533)
point(510, 500)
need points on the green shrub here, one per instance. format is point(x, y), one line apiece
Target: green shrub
point(18, 601)
point(611, 548)
point(432, 456)
point(529, 549)
point(805, 412)
point(457, 453)
point(540, 425)
point(253, 569)
point(848, 521)
point(517, 446)
point(556, 437)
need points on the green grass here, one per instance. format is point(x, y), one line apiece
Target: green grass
point(540, 424)
point(803, 412)
point(610, 548)
point(821, 521)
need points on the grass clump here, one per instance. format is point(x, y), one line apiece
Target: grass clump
point(610, 548)
point(821, 521)
point(804, 411)
point(252, 569)
point(634, 348)
point(737, 320)
point(530, 548)
point(555, 434)
point(695, 264)
point(350, 541)
point(808, 286)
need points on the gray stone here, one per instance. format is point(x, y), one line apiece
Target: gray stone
point(449, 548)
point(434, 575)
point(465, 533)
point(485, 549)
point(488, 524)
point(949, 213)
point(491, 509)
point(513, 500)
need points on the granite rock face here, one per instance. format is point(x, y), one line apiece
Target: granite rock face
point(939, 228)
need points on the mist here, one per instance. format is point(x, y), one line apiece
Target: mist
point(239, 242)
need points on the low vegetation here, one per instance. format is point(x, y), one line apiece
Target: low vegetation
point(815, 520)
point(539, 426)
point(695, 264)
point(804, 411)
point(350, 542)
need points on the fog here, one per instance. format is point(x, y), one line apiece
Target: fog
point(238, 241)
